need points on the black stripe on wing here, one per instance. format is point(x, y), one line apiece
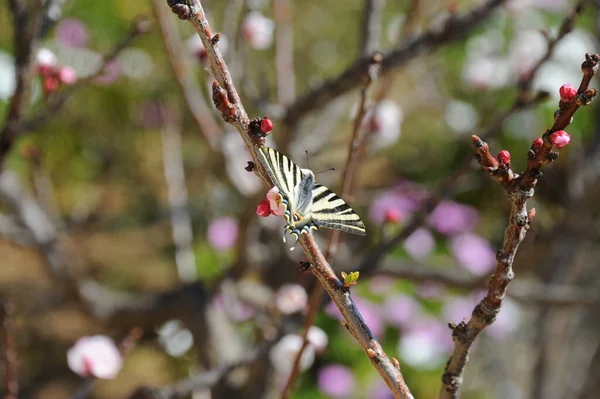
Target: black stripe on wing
point(284, 173)
point(329, 210)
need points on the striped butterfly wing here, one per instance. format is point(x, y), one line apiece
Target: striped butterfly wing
point(329, 210)
point(284, 173)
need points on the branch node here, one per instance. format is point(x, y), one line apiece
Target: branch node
point(180, 8)
point(250, 166)
point(215, 39)
point(229, 112)
point(304, 266)
point(372, 354)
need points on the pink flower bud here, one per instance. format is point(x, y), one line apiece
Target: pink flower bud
point(266, 125)
point(264, 208)
point(45, 69)
point(392, 215)
point(560, 139)
point(504, 157)
point(567, 93)
point(537, 143)
point(66, 75)
point(50, 84)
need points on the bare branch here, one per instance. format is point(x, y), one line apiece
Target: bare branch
point(520, 190)
point(228, 102)
point(455, 28)
point(354, 153)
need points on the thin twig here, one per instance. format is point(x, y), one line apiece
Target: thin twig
point(520, 190)
point(180, 65)
point(455, 28)
point(526, 81)
point(284, 52)
point(354, 153)
point(228, 102)
point(26, 25)
point(11, 366)
point(181, 223)
point(56, 101)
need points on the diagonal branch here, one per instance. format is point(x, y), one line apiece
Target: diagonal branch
point(455, 28)
point(520, 190)
point(228, 102)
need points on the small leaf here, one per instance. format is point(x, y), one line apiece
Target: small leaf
point(350, 278)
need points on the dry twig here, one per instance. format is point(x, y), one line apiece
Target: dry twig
point(520, 189)
point(228, 102)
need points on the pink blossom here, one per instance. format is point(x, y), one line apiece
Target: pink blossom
point(95, 356)
point(425, 344)
point(291, 298)
point(264, 208)
point(275, 203)
point(419, 244)
point(45, 58)
point(567, 93)
point(474, 253)
point(223, 233)
point(71, 32)
point(452, 218)
point(399, 310)
point(66, 75)
point(390, 200)
point(50, 84)
point(537, 143)
point(266, 125)
point(110, 73)
point(560, 139)
point(258, 30)
point(336, 381)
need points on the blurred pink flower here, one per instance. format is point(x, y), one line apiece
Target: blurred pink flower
point(258, 30)
point(387, 201)
point(71, 32)
point(291, 298)
point(238, 310)
point(283, 354)
point(222, 233)
point(482, 72)
point(336, 381)
point(419, 244)
point(384, 122)
point(95, 356)
point(474, 253)
point(380, 390)
point(111, 72)
point(150, 115)
point(45, 58)
point(264, 208)
point(66, 75)
point(399, 310)
point(450, 218)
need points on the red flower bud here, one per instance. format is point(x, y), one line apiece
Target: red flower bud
point(504, 157)
point(560, 139)
point(264, 208)
point(266, 125)
point(392, 215)
point(537, 143)
point(567, 93)
point(50, 84)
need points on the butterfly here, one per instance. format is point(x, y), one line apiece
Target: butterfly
point(308, 204)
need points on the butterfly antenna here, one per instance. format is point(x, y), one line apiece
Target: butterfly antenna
point(326, 170)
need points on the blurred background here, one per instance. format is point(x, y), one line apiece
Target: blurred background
point(126, 212)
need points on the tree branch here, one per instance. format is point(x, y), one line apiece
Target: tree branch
point(455, 28)
point(371, 29)
point(228, 102)
point(520, 190)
